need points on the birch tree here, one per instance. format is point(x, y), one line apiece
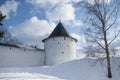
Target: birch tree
point(102, 18)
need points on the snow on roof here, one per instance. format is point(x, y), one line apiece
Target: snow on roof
point(20, 46)
point(11, 45)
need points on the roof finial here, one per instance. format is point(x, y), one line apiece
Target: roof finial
point(59, 20)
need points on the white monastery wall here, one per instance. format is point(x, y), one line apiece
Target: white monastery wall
point(59, 50)
point(13, 57)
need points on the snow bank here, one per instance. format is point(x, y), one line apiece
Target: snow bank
point(81, 69)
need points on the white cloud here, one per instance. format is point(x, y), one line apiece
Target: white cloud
point(45, 3)
point(32, 30)
point(101, 1)
point(37, 2)
point(8, 7)
point(65, 12)
point(76, 0)
point(56, 9)
point(74, 23)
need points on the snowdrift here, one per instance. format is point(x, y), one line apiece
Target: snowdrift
point(80, 69)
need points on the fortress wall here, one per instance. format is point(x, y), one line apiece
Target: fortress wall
point(20, 57)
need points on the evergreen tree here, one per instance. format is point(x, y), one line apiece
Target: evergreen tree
point(1, 19)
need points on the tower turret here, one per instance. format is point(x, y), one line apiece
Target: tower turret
point(59, 46)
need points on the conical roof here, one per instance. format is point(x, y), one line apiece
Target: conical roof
point(59, 31)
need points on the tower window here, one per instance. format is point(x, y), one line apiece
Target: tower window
point(24, 49)
point(53, 38)
point(58, 42)
point(64, 38)
point(62, 52)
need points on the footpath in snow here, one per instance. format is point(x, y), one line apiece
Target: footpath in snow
point(81, 69)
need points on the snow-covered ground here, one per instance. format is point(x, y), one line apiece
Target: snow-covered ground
point(80, 69)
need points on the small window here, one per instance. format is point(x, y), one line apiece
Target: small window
point(62, 52)
point(53, 38)
point(64, 38)
point(58, 42)
point(24, 49)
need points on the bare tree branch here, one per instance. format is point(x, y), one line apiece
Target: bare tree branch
point(114, 38)
point(113, 20)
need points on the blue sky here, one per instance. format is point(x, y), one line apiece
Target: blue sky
point(30, 21)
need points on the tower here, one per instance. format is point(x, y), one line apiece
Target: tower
point(59, 46)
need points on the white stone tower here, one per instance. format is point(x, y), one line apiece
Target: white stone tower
point(59, 46)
